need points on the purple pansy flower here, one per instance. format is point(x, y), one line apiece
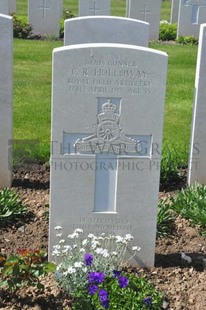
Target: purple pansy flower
point(92, 289)
point(148, 301)
point(123, 282)
point(96, 277)
point(103, 295)
point(88, 258)
point(116, 273)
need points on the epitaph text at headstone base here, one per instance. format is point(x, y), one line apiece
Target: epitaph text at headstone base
point(148, 11)
point(44, 16)
point(107, 29)
point(197, 158)
point(192, 13)
point(107, 111)
point(94, 7)
point(6, 94)
point(174, 11)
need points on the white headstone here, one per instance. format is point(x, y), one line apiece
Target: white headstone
point(106, 29)
point(174, 11)
point(148, 11)
point(94, 7)
point(107, 111)
point(44, 16)
point(6, 91)
point(197, 158)
point(5, 7)
point(13, 6)
point(192, 13)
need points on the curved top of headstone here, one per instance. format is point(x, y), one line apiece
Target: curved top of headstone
point(106, 29)
point(5, 16)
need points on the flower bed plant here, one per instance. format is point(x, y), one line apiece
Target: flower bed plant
point(90, 270)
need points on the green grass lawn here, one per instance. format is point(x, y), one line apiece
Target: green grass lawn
point(32, 88)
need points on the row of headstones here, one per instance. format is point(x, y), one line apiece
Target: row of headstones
point(44, 15)
point(7, 7)
point(106, 177)
point(189, 15)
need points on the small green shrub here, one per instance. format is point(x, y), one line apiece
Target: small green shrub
point(24, 269)
point(169, 173)
point(21, 28)
point(168, 32)
point(191, 204)
point(165, 218)
point(67, 14)
point(10, 205)
point(188, 40)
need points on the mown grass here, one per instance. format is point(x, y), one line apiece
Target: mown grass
point(32, 93)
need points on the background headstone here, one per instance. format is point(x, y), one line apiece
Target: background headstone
point(5, 7)
point(106, 29)
point(197, 158)
point(192, 13)
point(107, 111)
point(148, 11)
point(44, 16)
point(94, 7)
point(6, 94)
point(13, 8)
point(174, 11)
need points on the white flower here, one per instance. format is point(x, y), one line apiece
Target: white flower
point(78, 264)
point(67, 247)
point(114, 253)
point(71, 270)
point(90, 236)
point(61, 241)
point(105, 253)
point(95, 244)
point(73, 236)
point(82, 250)
point(136, 248)
point(56, 253)
point(119, 239)
point(58, 228)
point(164, 22)
point(78, 230)
point(85, 242)
point(129, 237)
point(57, 247)
point(58, 235)
point(99, 251)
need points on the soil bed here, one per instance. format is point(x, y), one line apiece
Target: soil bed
point(182, 283)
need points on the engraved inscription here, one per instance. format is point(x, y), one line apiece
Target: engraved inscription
point(111, 225)
point(43, 7)
point(145, 12)
point(94, 9)
point(109, 76)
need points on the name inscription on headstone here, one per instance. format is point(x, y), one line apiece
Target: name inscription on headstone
point(101, 77)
